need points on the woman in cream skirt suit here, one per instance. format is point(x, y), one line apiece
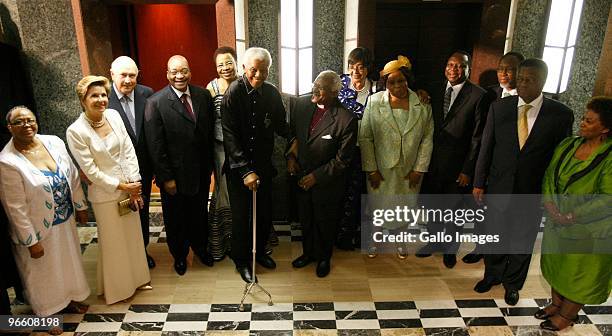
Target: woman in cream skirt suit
point(102, 148)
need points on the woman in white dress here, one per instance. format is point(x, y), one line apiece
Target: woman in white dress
point(101, 146)
point(41, 193)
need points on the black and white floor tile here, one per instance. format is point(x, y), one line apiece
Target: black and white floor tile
point(441, 318)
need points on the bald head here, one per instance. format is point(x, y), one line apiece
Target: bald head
point(178, 73)
point(124, 73)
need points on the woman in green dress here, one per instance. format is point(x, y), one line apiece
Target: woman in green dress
point(576, 257)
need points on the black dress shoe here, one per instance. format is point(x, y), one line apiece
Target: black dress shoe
point(206, 259)
point(180, 266)
point(150, 261)
point(301, 261)
point(245, 273)
point(485, 285)
point(265, 261)
point(472, 258)
point(323, 268)
point(426, 251)
point(449, 260)
point(511, 297)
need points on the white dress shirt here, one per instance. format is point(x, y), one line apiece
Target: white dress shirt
point(456, 89)
point(533, 112)
point(508, 93)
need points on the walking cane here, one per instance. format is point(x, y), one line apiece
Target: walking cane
point(248, 288)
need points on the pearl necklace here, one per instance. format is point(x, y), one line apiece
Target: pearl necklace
point(95, 124)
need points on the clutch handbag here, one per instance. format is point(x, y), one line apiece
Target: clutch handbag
point(125, 206)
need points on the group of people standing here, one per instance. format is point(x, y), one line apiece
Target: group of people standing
point(351, 136)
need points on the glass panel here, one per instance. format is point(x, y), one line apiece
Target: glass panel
point(348, 47)
point(288, 71)
point(558, 22)
point(240, 49)
point(567, 67)
point(239, 19)
point(288, 23)
point(350, 19)
point(575, 23)
point(305, 71)
point(553, 58)
point(305, 18)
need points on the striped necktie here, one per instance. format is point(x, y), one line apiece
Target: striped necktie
point(447, 101)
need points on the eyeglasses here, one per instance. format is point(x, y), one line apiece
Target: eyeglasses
point(455, 65)
point(183, 72)
point(23, 122)
point(508, 70)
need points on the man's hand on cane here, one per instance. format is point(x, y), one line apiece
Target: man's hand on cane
point(251, 181)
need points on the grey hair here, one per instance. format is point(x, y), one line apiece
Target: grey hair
point(329, 81)
point(16, 108)
point(258, 54)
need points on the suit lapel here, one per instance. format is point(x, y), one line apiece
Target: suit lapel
point(177, 105)
point(386, 113)
point(328, 120)
point(413, 116)
point(114, 100)
point(540, 122)
point(196, 102)
point(139, 105)
point(304, 126)
point(463, 93)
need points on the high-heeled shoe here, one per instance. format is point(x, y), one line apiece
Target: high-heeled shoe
point(549, 325)
point(542, 315)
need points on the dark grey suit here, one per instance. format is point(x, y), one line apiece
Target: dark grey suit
point(326, 153)
point(182, 150)
point(141, 93)
point(503, 168)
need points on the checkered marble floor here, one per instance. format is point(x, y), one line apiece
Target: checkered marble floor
point(441, 318)
point(488, 317)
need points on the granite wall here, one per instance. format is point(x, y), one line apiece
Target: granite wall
point(263, 28)
point(589, 47)
point(530, 27)
point(328, 40)
point(529, 37)
point(47, 37)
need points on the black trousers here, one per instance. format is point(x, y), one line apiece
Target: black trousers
point(350, 216)
point(147, 178)
point(186, 222)
point(241, 201)
point(443, 196)
point(319, 221)
point(517, 226)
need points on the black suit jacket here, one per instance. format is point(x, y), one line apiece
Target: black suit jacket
point(494, 92)
point(510, 170)
point(457, 137)
point(328, 151)
point(181, 149)
point(141, 93)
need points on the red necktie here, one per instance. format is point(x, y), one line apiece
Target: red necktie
point(187, 106)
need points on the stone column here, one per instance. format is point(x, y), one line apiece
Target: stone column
point(328, 36)
point(589, 45)
point(48, 41)
point(263, 26)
